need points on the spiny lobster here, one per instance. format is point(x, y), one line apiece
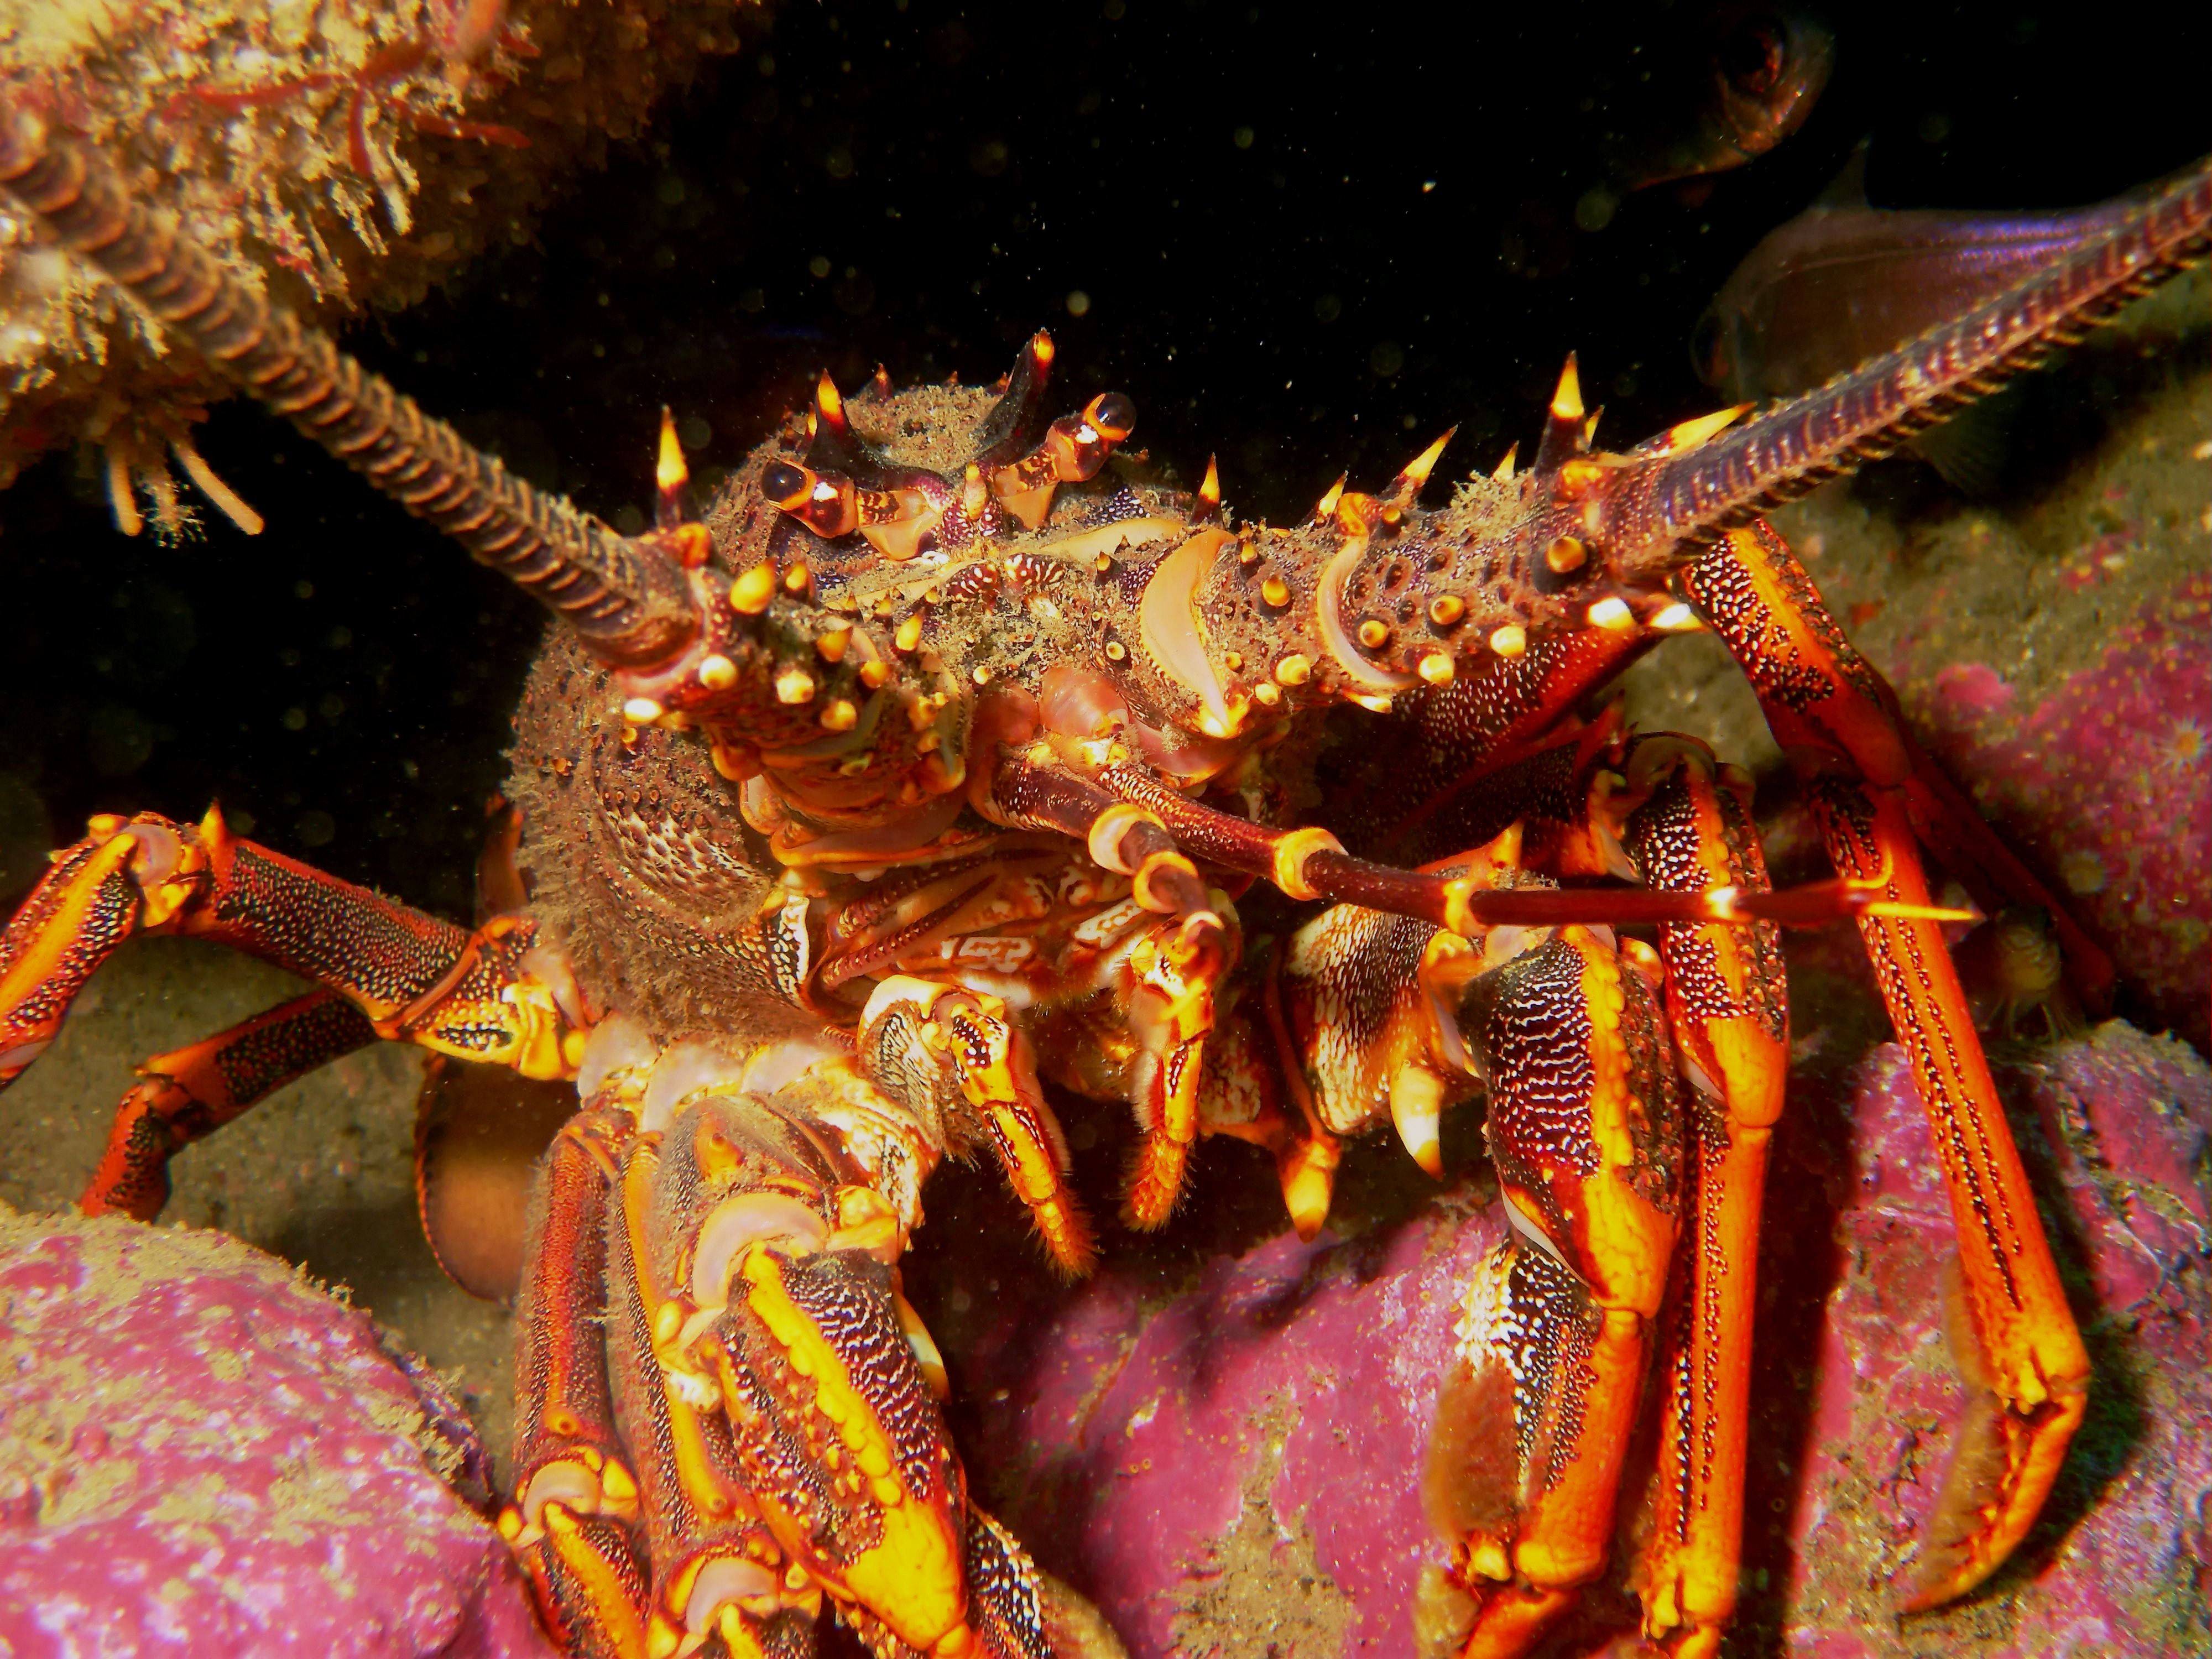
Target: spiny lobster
point(938, 759)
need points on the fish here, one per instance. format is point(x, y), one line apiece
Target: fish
point(1743, 79)
point(1845, 281)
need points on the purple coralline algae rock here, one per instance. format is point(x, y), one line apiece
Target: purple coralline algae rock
point(203, 1454)
point(2106, 781)
point(2115, 1128)
point(1245, 1459)
point(1237, 1472)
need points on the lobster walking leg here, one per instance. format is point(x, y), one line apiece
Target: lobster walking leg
point(2033, 1357)
point(190, 1092)
point(1585, 1129)
point(573, 1523)
point(488, 995)
point(1724, 1001)
point(1827, 710)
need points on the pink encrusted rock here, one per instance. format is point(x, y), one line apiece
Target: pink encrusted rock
point(1245, 1459)
point(2116, 1128)
point(1236, 1473)
point(2106, 782)
point(203, 1454)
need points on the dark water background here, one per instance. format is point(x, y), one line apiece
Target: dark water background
point(1310, 241)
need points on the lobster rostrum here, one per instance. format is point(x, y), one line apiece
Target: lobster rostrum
point(936, 762)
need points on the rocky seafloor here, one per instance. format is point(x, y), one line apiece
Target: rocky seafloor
point(203, 1452)
point(1220, 1437)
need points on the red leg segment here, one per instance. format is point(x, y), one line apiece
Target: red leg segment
point(575, 1520)
point(192, 1093)
point(1585, 1128)
point(1725, 1002)
point(1829, 713)
point(2032, 1351)
point(487, 996)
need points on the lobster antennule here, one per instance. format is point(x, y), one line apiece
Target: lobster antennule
point(1685, 499)
point(629, 601)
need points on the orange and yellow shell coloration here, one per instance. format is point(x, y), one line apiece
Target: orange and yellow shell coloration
point(947, 757)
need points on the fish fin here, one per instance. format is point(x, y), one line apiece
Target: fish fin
point(1847, 190)
point(1969, 450)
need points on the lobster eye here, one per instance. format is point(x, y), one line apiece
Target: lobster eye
point(1114, 415)
point(786, 485)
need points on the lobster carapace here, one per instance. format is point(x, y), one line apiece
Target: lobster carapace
point(935, 764)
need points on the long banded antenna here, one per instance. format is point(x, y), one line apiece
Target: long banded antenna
point(1687, 499)
point(629, 602)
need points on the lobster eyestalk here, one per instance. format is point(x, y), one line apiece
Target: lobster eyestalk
point(627, 600)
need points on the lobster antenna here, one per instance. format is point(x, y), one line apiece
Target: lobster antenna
point(1687, 499)
point(629, 602)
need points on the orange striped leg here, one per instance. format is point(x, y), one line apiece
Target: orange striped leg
point(192, 1093)
point(489, 995)
point(716, 1568)
point(1823, 698)
point(574, 1521)
point(1533, 1421)
point(1725, 1001)
point(2032, 1351)
point(1829, 711)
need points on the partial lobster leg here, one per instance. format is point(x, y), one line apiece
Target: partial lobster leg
point(1164, 985)
point(797, 1448)
point(574, 1523)
point(1365, 1006)
point(1725, 1002)
point(1826, 708)
point(923, 1040)
point(489, 995)
point(716, 1568)
point(190, 1092)
point(1556, 1332)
